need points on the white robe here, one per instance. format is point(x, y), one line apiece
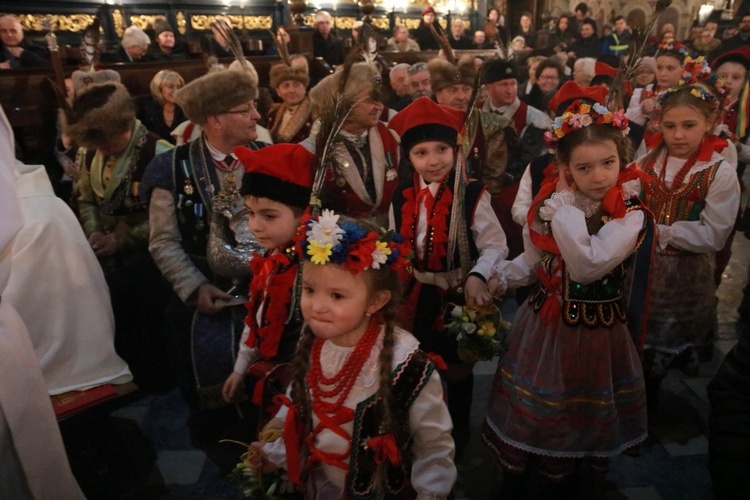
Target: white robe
point(33, 463)
point(74, 338)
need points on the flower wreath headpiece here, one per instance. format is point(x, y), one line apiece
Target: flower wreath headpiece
point(324, 240)
point(673, 46)
point(694, 73)
point(579, 115)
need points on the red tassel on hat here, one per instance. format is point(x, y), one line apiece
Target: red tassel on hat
point(385, 449)
point(258, 393)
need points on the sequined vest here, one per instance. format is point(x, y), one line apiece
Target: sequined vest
point(409, 378)
point(600, 303)
point(685, 203)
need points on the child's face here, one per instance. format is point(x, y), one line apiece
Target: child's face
point(272, 223)
point(668, 71)
point(433, 160)
point(733, 75)
point(335, 302)
point(594, 168)
point(683, 127)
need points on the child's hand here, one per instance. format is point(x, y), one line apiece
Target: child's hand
point(648, 106)
point(233, 386)
point(476, 292)
point(497, 286)
point(565, 183)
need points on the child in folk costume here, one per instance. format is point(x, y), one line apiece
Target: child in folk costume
point(644, 108)
point(366, 417)
point(421, 211)
point(276, 188)
point(694, 195)
point(571, 385)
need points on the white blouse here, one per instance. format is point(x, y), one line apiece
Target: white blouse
point(433, 472)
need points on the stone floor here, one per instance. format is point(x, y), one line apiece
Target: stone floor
point(672, 464)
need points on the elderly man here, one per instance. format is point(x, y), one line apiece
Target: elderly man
point(325, 43)
point(167, 49)
point(15, 52)
point(400, 41)
point(133, 47)
point(290, 120)
point(480, 40)
point(189, 189)
point(419, 81)
point(458, 38)
point(401, 95)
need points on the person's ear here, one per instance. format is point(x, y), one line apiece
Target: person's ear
point(378, 300)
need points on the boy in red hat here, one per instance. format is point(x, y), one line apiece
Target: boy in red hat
point(276, 188)
point(421, 212)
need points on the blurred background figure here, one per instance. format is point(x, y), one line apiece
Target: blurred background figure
point(400, 41)
point(15, 51)
point(160, 114)
point(133, 47)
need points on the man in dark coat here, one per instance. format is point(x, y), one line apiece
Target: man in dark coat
point(15, 52)
point(326, 44)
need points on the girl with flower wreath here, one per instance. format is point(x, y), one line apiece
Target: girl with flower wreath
point(694, 195)
point(421, 211)
point(571, 387)
point(366, 416)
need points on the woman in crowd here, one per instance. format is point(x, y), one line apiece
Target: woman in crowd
point(160, 114)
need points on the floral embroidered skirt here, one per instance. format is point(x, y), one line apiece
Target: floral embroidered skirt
point(563, 393)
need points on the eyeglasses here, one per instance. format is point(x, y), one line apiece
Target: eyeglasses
point(247, 111)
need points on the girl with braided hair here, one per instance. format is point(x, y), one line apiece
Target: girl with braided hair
point(366, 416)
point(570, 388)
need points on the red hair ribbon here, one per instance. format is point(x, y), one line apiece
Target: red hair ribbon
point(292, 432)
point(385, 449)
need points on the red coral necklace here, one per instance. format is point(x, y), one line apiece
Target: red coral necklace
point(342, 382)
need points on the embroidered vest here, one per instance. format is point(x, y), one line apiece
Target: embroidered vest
point(520, 117)
point(408, 380)
point(685, 203)
point(601, 303)
point(473, 192)
point(339, 196)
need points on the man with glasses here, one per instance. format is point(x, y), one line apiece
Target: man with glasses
point(189, 189)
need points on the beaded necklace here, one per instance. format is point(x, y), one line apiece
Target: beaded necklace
point(342, 382)
point(662, 192)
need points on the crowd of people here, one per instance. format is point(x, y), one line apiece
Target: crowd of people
point(245, 251)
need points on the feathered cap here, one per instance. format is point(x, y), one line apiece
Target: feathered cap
point(82, 79)
point(444, 74)
point(215, 93)
point(362, 76)
point(425, 120)
point(282, 172)
point(282, 72)
point(99, 114)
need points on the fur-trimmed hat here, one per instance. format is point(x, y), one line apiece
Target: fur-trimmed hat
point(362, 76)
point(215, 93)
point(162, 26)
point(282, 172)
point(282, 73)
point(443, 74)
point(82, 79)
point(99, 114)
point(498, 69)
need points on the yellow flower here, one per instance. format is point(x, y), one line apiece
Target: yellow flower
point(319, 254)
point(585, 108)
point(695, 92)
point(489, 328)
